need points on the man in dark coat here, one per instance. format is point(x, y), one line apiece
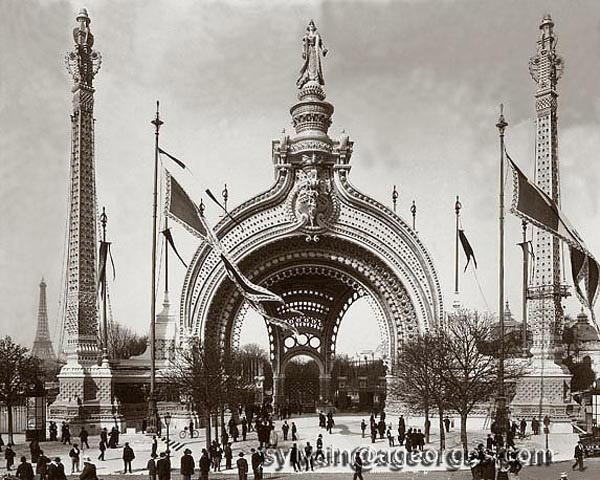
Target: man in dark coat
point(25, 470)
point(285, 428)
point(308, 456)
point(204, 465)
point(151, 466)
point(228, 456)
point(89, 470)
point(75, 454)
point(56, 470)
point(256, 460)
point(187, 465)
point(578, 457)
point(381, 428)
point(358, 466)
point(163, 467)
point(128, 457)
point(242, 466)
point(9, 455)
point(295, 458)
point(244, 428)
point(294, 432)
point(83, 438)
point(154, 446)
point(102, 448)
point(34, 449)
point(41, 467)
point(104, 436)
point(447, 424)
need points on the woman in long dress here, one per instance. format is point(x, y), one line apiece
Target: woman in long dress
point(312, 69)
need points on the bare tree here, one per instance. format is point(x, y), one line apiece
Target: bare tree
point(124, 343)
point(211, 378)
point(417, 379)
point(20, 374)
point(468, 372)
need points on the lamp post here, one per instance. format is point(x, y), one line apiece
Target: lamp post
point(167, 417)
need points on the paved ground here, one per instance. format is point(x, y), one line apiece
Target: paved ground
point(345, 438)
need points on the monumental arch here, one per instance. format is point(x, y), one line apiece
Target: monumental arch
point(317, 241)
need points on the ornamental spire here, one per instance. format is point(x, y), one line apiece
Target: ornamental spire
point(546, 67)
point(83, 62)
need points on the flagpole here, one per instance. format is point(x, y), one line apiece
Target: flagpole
point(103, 222)
point(166, 258)
point(413, 211)
point(152, 412)
point(457, 207)
point(525, 285)
point(501, 399)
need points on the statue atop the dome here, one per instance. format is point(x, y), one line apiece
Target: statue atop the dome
point(313, 48)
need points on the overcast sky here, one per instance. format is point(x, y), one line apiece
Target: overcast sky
point(416, 84)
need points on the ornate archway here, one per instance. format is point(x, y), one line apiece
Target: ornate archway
point(320, 243)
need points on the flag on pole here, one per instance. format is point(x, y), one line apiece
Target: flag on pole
point(180, 207)
point(467, 248)
point(176, 160)
point(167, 233)
point(103, 255)
point(533, 205)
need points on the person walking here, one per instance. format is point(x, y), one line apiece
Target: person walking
point(56, 470)
point(41, 467)
point(373, 432)
point(242, 467)
point(128, 457)
point(330, 422)
point(308, 456)
point(363, 427)
point(187, 464)
point(578, 457)
point(447, 424)
point(204, 465)
point(102, 448)
point(257, 461)
point(228, 456)
point(319, 452)
point(34, 450)
point(217, 458)
point(244, 428)
point(163, 467)
point(151, 466)
point(89, 470)
point(154, 446)
point(295, 458)
point(390, 436)
point(294, 432)
point(523, 427)
point(75, 454)
point(358, 466)
point(83, 438)
point(25, 470)
point(285, 428)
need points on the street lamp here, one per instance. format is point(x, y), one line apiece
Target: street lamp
point(167, 417)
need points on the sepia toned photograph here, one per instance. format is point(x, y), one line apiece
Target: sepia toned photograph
point(321, 239)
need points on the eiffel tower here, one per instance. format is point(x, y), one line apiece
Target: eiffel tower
point(42, 345)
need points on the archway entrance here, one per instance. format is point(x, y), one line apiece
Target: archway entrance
point(301, 386)
point(320, 244)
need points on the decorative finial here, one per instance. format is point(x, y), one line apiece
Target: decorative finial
point(83, 63)
point(457, 205)
point(103, 222)
point(157, 122)
point(413, 211)
point(225, 194)
point(394, 197)
point(201, 207)
point(313, 52)
point(502, 123)
point(546, 67)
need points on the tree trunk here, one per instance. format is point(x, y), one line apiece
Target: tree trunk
point(9, 413)
point(208, 430)
point(427, 423)
point(463, 433)
point(442, 430)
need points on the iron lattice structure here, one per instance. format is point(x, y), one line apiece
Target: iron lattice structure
point(320, 243)
point(42, 345)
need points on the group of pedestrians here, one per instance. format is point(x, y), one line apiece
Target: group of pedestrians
point(285, 428)
point(326, 422)
point(495, 463)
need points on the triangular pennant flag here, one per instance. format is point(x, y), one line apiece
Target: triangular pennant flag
point(103, 256)
point(180, 207)
point(467, 249)
point(176, 160)
point(167, 233)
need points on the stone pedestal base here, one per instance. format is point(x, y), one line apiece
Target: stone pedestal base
point(544, 390)
point(85, 399)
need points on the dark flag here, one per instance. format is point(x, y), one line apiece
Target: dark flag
point(214, 199)
point(176, 160)
point(103, 256)
point(180, 207)
point(467, 249)
point(169, 237)
point(533, 205)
